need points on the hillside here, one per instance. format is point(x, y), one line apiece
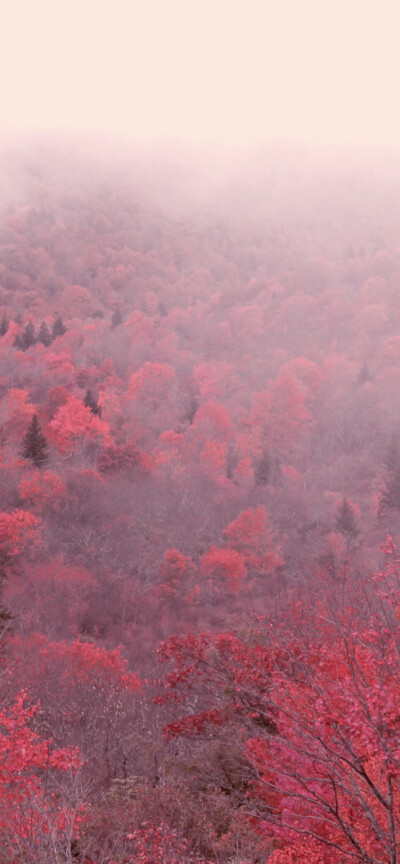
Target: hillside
point(199, 467)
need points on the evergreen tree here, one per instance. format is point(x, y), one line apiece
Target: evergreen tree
point(192, 410)
point(364, 375)
point(92, 403)
point(34, 445)
point(44, 335)
point(262, 469)
point(58, 328)
point(4, 325)
point(5, 614)
point(390, 499)
point(28, 337)
point(345, 521)
point(116, 318)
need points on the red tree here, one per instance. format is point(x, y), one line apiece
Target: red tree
point(252, 535)
point(34, 818)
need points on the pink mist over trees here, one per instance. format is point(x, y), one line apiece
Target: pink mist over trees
point(199, 462)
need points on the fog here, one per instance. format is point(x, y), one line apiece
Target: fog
point(226, 75)
point(199, 102)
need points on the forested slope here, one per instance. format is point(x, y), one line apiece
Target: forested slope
point(199, 464)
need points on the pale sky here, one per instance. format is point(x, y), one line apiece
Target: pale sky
point(204, 71)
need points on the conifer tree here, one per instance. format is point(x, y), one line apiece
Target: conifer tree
point(5, 614)
point(5, 568)
point(390, 498)
point(116, 318)
point(58, 328)
point(28, 337)
point(92, 403)
point(4, 325)
point(44, 335)
point(345, 522)
point(192, 410)
point(364, 375)
point(18, 342)
point(34, 445)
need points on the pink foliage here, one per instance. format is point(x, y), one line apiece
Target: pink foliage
point(280, 413)
point(224, 568)
point(74, 425)
point(31, 809)
point(38, 488)
point(252, 535)
point(20, 531)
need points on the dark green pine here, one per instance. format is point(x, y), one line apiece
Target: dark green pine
point(92, 403)
point(34, 445)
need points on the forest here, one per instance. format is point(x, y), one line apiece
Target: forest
point(200, 511)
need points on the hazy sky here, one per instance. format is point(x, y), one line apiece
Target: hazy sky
point(204, 71)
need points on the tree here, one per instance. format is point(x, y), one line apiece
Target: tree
point(25, 340)
point(390, 495)
point(92, 403)
point(253, 537)
point(151, 384)
point(16, 412)
point(116, 319)
point(280, 413)
point(4, 325)
point(18, 342)
point(75, 428)
point(364, 375)
point(323, 707)
point(44, 335)
point(345, 521)
point(88, 696)
point(330, 772)
point(19, 531)
point(58, 328)
point(390, 498)
point(212, 421)
point(224, 569)
point(174, 569)
point(34, 818)
point(38, 488)
point(34, 445)
point(119, 457)
point(28, 336)
point(262, 469)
